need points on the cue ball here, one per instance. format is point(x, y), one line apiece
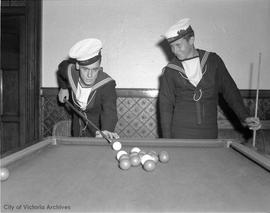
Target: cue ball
point(135, 160)
point(149, 165)
point(124, 164)
point(163, 157)
point(117, 145)
point(4, 174)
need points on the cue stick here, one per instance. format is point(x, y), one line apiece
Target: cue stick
point(257, 98)
point(92, 124)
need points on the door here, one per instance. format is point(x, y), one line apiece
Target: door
point(12, 83)
point(20, 74)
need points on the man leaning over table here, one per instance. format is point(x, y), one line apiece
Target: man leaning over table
point(92, 90)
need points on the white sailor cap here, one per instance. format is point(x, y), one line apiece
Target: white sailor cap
point(86, 51)
point(179, 30)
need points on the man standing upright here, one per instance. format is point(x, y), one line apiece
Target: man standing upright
point(189, 89)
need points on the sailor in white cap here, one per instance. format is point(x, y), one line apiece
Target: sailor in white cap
point(189, 88)
point(92, 90)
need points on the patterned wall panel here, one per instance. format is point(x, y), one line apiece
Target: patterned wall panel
point(51, 112)
point(137, 117)
point(137, 113)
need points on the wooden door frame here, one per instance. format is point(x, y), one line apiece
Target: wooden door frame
point(33, 19)
point(31, 68)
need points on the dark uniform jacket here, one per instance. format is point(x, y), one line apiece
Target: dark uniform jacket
point(101, 107)
point(187, 111)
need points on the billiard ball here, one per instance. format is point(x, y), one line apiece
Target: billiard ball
point(149, 165)
point(146, 157)
point(135, 149)
point(124, 156)
point(4, 174)
point(124, 164)
point(152, 152)
point(135, 159)
point(120, 153)
point(163, 157)
point(154, 156)
point(142, 153)
point(116, 145)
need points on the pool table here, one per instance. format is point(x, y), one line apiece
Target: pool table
point(82, 175)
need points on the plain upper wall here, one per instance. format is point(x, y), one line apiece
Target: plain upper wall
point(238, 30)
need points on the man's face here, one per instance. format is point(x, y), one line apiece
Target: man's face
point(89, 73)
point(182, 48)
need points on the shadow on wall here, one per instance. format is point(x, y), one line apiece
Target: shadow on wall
point(165, 47)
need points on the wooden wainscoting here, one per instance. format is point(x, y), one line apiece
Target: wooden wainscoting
point(138, 114)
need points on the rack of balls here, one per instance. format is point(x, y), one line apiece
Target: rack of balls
point(136, 157)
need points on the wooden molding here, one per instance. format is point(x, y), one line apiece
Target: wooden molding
point(151, 93)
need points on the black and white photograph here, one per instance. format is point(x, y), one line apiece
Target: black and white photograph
point(135, 106)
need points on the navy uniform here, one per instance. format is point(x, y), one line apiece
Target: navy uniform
point(98, 101)
point(189, 91)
